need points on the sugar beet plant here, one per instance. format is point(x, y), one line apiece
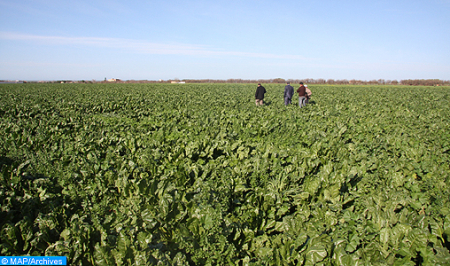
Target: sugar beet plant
point(146, 174)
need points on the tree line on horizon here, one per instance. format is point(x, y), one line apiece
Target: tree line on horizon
point(411, 82)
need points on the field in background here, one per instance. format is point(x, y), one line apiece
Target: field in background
point(195, 174)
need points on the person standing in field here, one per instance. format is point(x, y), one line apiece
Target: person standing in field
point(308, 94)
point(259, 95)
point(288, 93)
point(301, 95)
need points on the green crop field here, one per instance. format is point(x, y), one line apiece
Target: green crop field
point(196, 174)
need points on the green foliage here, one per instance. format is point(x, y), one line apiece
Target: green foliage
point(146, 174)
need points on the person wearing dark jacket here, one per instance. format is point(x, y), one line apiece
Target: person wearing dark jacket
point(301, 95)
point(288, 93)
point(259, 95)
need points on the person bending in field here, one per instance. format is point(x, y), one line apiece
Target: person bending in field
point(288, 93)
point(301, 95)
point(308, 94)
point(259, 95)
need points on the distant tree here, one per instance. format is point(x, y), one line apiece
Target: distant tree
point(279, 80)
point(320, 81)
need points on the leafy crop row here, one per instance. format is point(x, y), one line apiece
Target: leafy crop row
point(141, 174)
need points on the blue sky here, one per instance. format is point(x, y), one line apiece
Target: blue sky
point(95, 39)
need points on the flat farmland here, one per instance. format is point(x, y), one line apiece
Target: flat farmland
point(196, 174)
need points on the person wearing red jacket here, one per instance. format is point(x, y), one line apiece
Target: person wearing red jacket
point(301, 95)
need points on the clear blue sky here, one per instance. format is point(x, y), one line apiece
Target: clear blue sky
point(223, 39)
